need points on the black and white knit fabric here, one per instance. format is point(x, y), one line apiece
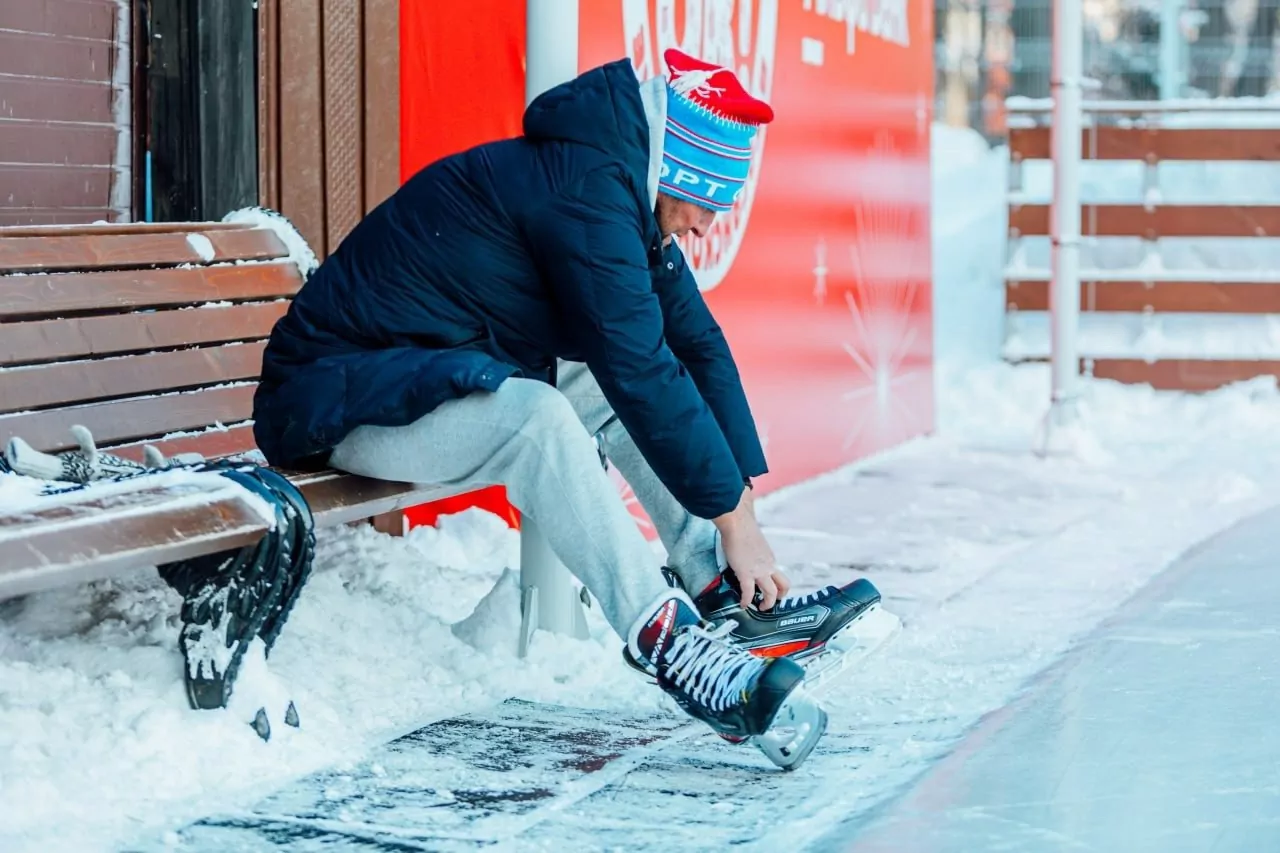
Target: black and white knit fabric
point(87, 464)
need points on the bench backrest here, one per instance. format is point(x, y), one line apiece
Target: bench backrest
point(144, 333)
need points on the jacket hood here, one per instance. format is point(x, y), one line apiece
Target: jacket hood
point(609, 109)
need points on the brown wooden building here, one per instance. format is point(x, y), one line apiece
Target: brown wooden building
point(172, 110)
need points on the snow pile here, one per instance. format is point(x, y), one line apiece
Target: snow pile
point(96, 738)
point(299, 252)
point(969, 228)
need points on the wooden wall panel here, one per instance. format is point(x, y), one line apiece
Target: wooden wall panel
point(64, 111)
point(382, 100)
point(301, 150)
point(329, 112)
point(269, 104)
point(343, 118)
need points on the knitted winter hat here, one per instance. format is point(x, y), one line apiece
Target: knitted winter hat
point(711, 120)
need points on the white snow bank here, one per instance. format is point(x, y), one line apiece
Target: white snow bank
point(96, 739)
point(969, 227)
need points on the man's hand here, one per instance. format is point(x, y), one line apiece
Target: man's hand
point(750, 556)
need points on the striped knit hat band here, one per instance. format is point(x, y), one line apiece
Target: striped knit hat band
point(711, 122)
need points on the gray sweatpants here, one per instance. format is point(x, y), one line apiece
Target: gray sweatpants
point(537, 441)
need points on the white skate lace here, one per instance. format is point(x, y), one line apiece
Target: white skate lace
point(797, 601)
point(712, 671)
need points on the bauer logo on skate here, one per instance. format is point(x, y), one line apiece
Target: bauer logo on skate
point(741, 36)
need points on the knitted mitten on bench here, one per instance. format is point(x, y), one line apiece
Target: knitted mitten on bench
point(88, 463)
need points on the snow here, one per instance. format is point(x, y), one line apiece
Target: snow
point(91, 695)
point(27, 494)
point(969, 228)
point(202, 246)
point(997, 560)
point(299, 252)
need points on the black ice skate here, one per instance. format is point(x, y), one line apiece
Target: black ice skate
point(739, 695)
point(801, 628)
point(232, 597)
point(226, 600)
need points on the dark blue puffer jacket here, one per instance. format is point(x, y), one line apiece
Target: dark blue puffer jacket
point(493, 263)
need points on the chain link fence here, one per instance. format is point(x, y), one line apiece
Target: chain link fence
point(989, 50)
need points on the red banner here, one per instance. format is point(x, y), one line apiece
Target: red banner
point(461, 84)
point(821, 278)
point(461, 77)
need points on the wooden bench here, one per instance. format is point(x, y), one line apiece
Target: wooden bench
point(1144, 133)
point(154, 334)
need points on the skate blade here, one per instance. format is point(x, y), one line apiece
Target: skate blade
point(853, 644)
point(796, 730)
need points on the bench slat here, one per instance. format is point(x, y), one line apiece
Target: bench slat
point(125, 251)
point(93, 539)
point(68, 383)
point(131, 420)
point(339, 498)
point(40, 341)
point(50, 295)
point(82, 228)
point(14, 218)
point(84, 540)
point(213, 444)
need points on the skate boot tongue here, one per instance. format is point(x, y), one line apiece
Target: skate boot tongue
point(654, 637)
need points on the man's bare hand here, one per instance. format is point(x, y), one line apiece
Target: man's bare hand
point(750, 556)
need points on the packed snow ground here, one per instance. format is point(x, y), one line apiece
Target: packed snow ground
point(994, 557)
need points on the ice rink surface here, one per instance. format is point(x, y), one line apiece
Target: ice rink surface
point(1156, 733)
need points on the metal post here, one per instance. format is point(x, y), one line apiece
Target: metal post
point(551, 45)
point(1170, 50)
point(1064, 228)
point(548, 599)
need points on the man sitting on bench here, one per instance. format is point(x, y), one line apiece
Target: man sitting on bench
point(505, 297)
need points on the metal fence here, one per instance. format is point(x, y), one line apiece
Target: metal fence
point(989, 50)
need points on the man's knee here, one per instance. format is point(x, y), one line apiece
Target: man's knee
point(547, 413)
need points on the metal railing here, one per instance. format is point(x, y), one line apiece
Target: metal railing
point(989, 50)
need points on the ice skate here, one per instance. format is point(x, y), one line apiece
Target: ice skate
point(815, 629)
point(739, 695)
